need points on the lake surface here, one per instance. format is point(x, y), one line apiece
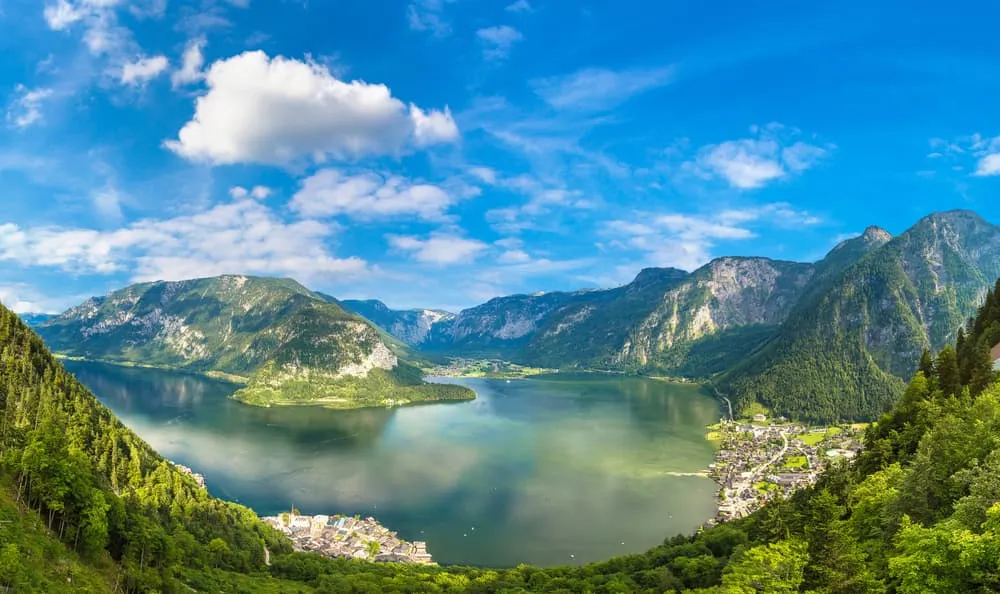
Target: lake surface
point(544, 471)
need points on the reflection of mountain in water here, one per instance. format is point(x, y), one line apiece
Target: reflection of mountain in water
point(147, 390)
point(200, 402)
point(313, 427)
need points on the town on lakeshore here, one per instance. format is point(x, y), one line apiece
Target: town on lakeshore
point(760, 460)
point(348, 537)
point(488, 368)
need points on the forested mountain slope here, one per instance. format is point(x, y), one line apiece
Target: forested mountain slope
point(917, 513)
point(843, 351)
point(290, 344)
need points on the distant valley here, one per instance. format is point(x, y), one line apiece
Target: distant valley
point(833, 339)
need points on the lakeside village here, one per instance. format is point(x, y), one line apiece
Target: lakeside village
point(348, 537)
point(340, 536)
point(760, 460)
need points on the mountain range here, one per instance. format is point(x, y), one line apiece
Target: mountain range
point(287, 344)
point(833, 339)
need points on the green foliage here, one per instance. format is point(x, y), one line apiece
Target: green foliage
point(772, 568)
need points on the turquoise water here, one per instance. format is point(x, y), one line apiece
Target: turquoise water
point(549, 471)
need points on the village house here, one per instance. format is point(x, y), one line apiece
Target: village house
point(995, 355)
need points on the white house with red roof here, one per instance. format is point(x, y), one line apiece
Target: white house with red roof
point(995, 355)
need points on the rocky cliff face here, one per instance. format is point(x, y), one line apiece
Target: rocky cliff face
point(503, 325)
point(725, 294)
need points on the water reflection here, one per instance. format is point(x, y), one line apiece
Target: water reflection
point(532, 471)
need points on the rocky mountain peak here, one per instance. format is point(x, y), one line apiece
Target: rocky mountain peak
point(650, 276)
point(875, 234)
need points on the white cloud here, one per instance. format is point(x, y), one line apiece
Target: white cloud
point(976, 152)
point(26, 107)
point(238, 192)
point(542, 201)
point(260, 192)
point(497, 41)
point(243, 237)
point(438, 249)
point(21, 298)
point(276, 111)
point(686, 240)
point(519, 6)
point(752, 163)
point(514, 257)
point(484, 174)
point(989, 165)
point(510, 243)
point(143, 70)
point(107, 203)
point(428, 15)
point(191, 64)
point(598, 89)
point(433, 128)
point(103, 35)
point(367, 195)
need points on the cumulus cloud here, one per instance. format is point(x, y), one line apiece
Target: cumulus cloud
point(752, 163)
point(988, 165)
point(143, 70)
point(191, 64)
point(26, 108)
point(275, 111)
point(368, 195)
point(243, 236)
point(438, 249)
point(597, 89)
point(497, 41)
point(433, 127)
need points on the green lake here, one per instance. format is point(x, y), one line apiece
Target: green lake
point(551, 471)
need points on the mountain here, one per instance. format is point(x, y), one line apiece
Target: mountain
point(288, 344)
point(664, 319)
point(844, 351)
point(36, 319)
point(411, 326)
point(501, 327)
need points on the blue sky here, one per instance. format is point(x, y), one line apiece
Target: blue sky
point(436, 153)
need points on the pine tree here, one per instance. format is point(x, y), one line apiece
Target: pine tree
point(948, 376)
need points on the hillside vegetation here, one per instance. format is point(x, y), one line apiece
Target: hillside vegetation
point(918, 512)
